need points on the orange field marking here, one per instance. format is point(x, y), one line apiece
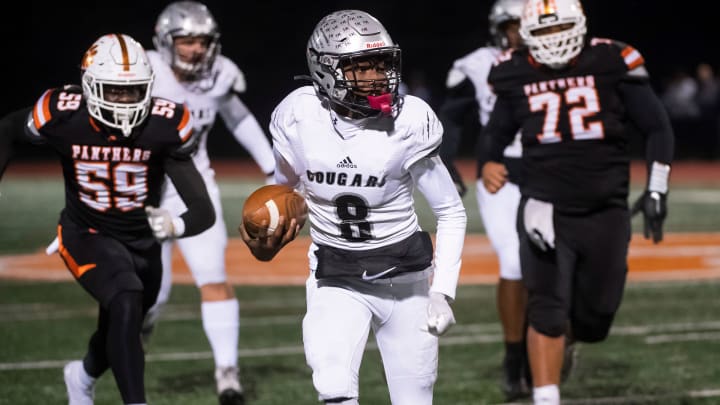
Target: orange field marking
point(681, 256)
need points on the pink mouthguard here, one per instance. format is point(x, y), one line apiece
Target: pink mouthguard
point(382, 102)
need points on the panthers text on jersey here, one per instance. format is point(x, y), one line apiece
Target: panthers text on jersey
point(355, 174)
point(574, 133)
point(110, 178)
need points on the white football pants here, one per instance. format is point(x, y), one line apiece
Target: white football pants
point(499, 215)
point(336, 328)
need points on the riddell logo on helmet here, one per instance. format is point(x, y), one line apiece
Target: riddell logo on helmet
point(372, 45)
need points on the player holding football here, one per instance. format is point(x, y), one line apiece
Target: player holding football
point(572, 98)
point(189, 68)
point(357, 150)
point(116, 144)
point(469, 93)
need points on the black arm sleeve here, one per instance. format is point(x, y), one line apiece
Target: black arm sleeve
point(459, 102)
point(200, 214)
point(498, 133)
point(12, 129)
point(647, 112)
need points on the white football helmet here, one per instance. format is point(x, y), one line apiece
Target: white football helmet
point(116, 62)
point(340, 40)
point(501, 12)
point(186, 18)
point(554, 49)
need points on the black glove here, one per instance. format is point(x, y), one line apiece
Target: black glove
point(653, 205)
point(457, 179)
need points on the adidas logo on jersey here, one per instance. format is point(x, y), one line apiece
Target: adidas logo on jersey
point(347, 163)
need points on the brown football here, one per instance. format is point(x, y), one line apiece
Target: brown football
point(270, 202)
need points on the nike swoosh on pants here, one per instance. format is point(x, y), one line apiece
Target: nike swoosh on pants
point(378, 275)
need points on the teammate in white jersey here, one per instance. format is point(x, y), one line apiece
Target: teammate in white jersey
point(357, 150)
point(468, 92)
point(190, 69)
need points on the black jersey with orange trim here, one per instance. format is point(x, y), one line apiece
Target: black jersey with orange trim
point(574, 127)
point(109, 178)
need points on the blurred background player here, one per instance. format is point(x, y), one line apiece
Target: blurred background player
point(468, 93)
point(573, 100)
point(190, 69)
point(116, 144)
point(358, 150)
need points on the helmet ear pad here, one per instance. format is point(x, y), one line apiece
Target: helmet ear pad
point(324, 71)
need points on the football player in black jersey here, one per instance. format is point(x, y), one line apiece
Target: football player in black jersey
point(573, 99)
point(115, 143)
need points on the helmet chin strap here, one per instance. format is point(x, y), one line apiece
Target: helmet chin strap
point(382, 102)
point(125, 126)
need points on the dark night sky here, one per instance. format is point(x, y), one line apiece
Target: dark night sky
point(267, 39)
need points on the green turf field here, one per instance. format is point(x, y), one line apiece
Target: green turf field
point(30, 209)
point(663, 349)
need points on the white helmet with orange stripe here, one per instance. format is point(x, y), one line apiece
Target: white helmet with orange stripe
point(116, 81)
point(553, 30)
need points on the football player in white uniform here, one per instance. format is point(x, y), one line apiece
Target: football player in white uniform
point(358, 150)
point(468, 92)
point(189, 68)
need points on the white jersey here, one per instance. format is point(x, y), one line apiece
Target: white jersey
point(205, 99)
point(476, 67)
point(354, 173)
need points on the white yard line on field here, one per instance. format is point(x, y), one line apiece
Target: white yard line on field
point(697, 197)
point(682, 337)
point(468, 335)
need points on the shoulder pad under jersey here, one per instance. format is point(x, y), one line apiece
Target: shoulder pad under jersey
point(632, 59)
point(56, 104)
point(421, 128)
point(182, 123)
point(301, 104)
point(164, 112)
point(509, 68)
point(229, 75)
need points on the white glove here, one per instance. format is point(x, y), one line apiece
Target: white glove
point(163, 225)
point(539, 225)
point(440, 315)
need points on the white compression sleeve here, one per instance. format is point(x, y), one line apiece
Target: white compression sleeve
point(434, 182)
